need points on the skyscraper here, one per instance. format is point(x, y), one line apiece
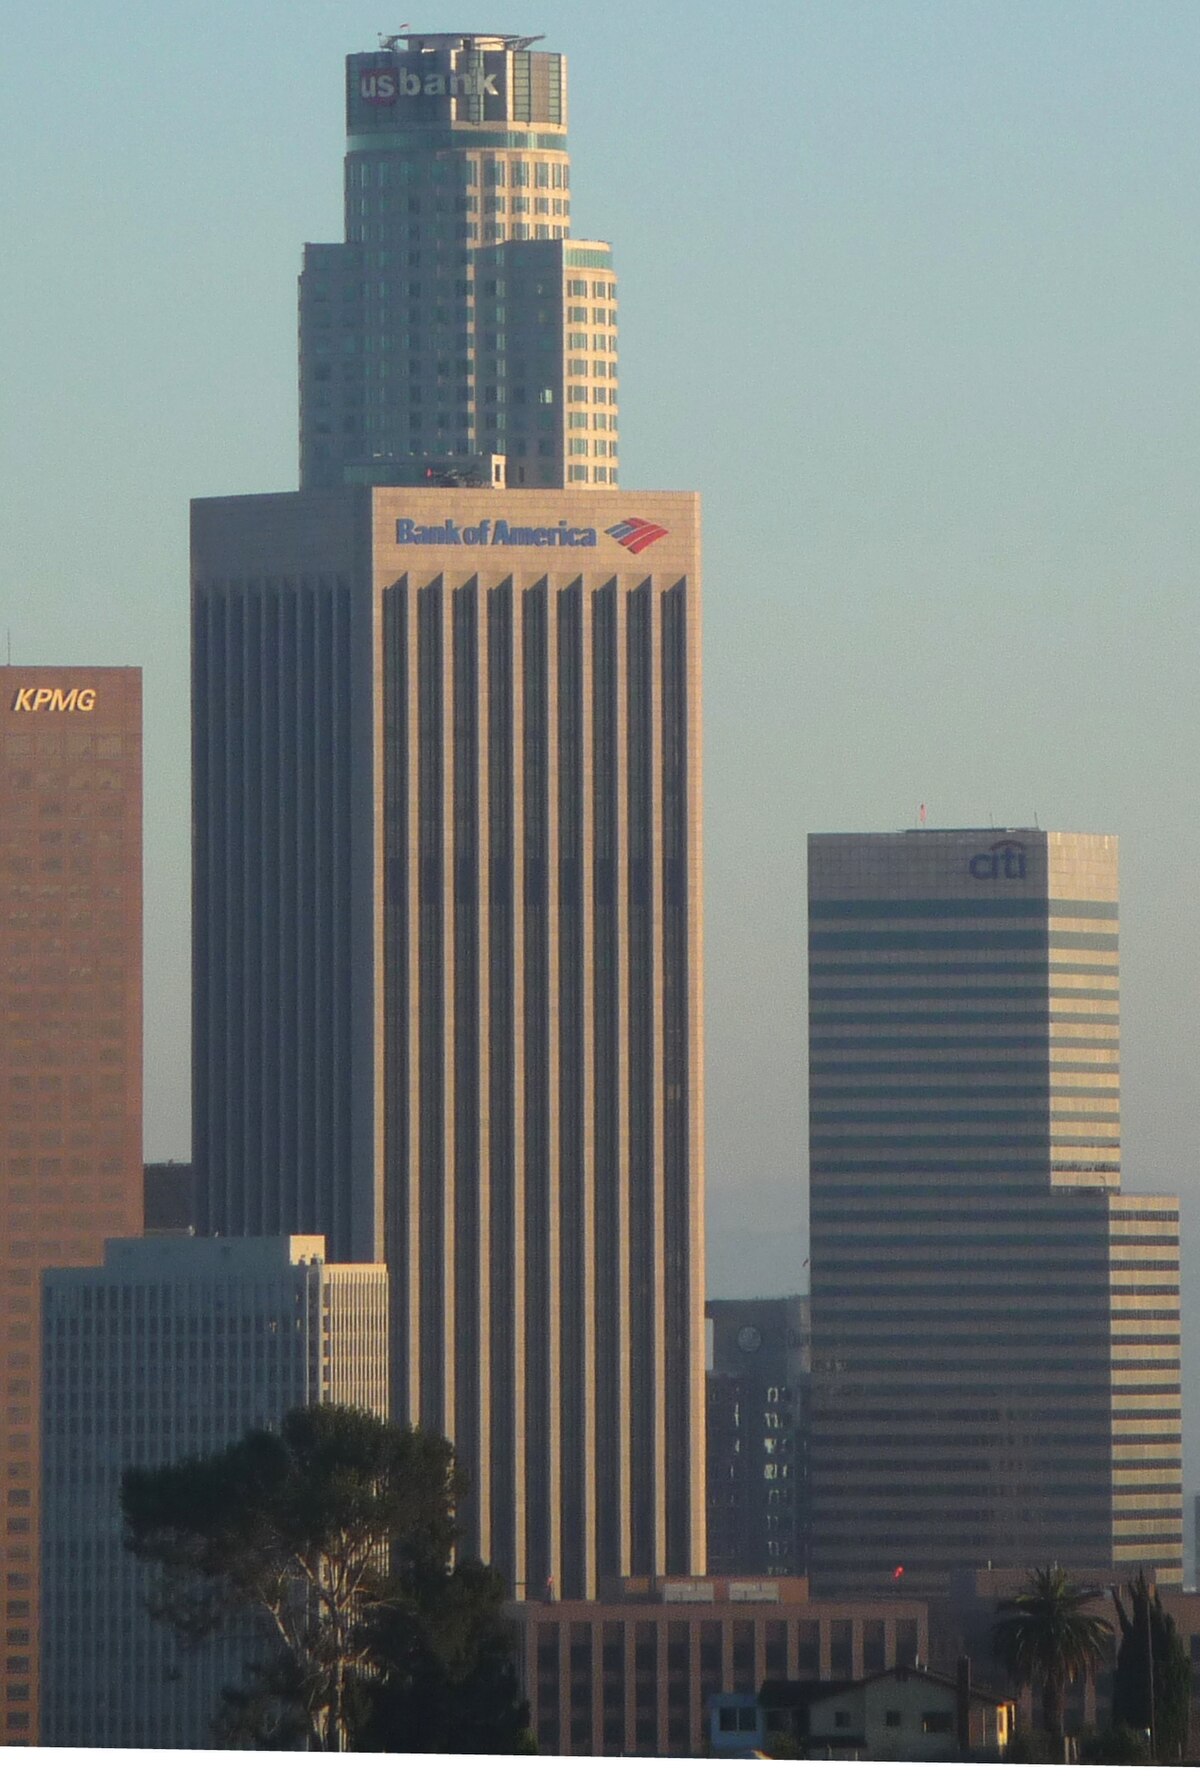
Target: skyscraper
point(447, 900)
point(447, 990)
point(173, 1347)
point(70, 1056)
point(457, 322)
point(995, 1326)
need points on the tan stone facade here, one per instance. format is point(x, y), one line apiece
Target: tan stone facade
point(70, 1057)
point(468, 721)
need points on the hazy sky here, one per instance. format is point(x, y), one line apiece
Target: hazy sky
point(908, 292)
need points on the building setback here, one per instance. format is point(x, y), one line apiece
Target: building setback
point(447, 988)
point(995, 1327)
point(70, 1057)
point(174, 1347)
point(459, 319)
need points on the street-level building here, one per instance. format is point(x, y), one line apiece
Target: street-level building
point(996, 1363)
point(173, 1347)
point(635, 1670)
point(70, 1058)
point(447, 987)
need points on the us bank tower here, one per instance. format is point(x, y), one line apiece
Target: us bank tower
point(447, 869)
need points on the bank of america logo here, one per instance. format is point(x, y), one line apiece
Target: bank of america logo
point(635, 535)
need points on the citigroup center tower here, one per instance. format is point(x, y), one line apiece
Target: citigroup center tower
point(447, 897)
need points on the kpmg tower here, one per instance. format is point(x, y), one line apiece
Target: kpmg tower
point(996, 1341)
point(447, 889)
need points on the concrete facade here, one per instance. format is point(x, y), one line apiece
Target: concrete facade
point(995, 1327)
point(448, 995)
point(458, 318)
point(635, 1671)
point(70, 1057)
point(174, 1347)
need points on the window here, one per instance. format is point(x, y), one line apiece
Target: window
point(937, 1722)
point(891, 1719)
point(841, 1718)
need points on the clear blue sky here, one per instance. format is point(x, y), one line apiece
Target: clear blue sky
point(909, 292)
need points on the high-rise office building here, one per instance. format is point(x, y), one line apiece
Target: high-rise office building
point(995, 1326)
point(757, 1436)
point(459, 322)
point(447, 900)
point(70, 1057)
point(447, 993)
point(173, 1347)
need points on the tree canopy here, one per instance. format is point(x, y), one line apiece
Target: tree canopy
point(336, 1533)
point(1046, 1638)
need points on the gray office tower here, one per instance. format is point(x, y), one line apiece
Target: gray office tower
point(459, 330)
point(996, 1361)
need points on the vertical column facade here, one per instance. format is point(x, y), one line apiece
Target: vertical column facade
point(497, 904)
point(543, 751)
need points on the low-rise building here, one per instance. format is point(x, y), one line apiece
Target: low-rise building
point(904, 1712)
point(634, 1671)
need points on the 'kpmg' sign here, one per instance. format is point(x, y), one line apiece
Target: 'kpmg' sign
point(54, 700)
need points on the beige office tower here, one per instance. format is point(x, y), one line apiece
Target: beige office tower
point(996, 1340)
point(173, 1347)
point(447, 981)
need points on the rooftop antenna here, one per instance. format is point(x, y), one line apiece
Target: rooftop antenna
point(921, 813)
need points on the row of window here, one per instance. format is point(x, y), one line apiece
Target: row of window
point(463, 232)
point(388, 171)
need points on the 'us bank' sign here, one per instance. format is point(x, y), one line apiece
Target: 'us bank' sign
point(383, 86)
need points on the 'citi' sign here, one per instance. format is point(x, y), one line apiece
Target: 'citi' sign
point(1003, 861)
point(54, 700)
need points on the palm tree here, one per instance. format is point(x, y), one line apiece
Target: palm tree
point(1045, 1638)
